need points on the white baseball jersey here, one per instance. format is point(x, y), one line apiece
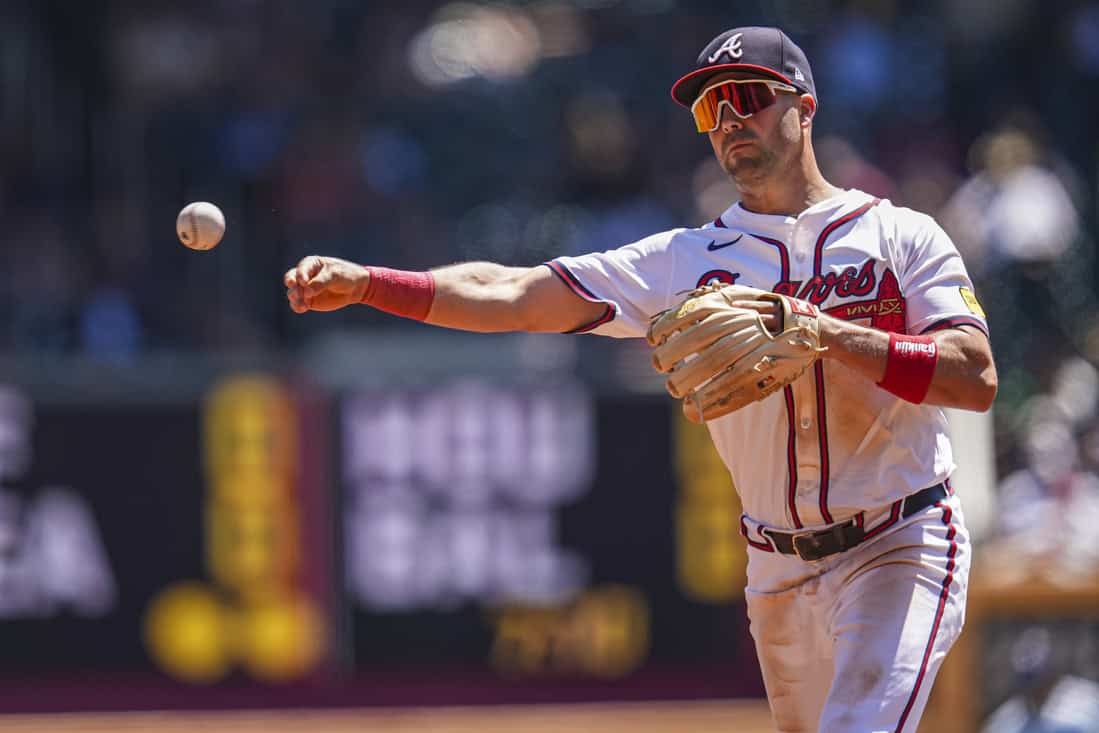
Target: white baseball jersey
point(833, 443)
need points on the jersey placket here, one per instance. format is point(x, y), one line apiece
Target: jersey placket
point(802, 399)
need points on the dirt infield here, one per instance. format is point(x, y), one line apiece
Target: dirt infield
point(702, 717)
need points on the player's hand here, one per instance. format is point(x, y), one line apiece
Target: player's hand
point(325, 284)
point(770, 310)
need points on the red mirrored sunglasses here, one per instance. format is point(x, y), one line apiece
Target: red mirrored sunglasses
point(744, 97)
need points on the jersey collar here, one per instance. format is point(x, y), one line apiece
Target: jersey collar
point(737, 216)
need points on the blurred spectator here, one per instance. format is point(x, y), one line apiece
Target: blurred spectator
point(1014, 210)
point(1047, 700)
point(857, 63)
point(110, 328)
point(41, 284)
point(393, 162)
point(1017, 224)
point(1050, 506)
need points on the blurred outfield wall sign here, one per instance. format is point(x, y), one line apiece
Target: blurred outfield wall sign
point(711, 557)
point(254, 613)
point(51, 553)
point(52, 557)
point(520, 532)
point(603, 632)
point(453, 493)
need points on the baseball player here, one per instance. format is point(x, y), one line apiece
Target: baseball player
point(859, 555)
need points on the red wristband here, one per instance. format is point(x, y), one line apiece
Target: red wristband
point(910, 366)
point(400, 292)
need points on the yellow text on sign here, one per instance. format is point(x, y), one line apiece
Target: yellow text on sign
point(711, 558)
point(604, 632)
point(253, 614)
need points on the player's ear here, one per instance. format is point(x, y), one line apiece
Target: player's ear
point(807, 107)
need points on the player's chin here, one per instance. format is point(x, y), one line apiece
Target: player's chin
point(741, 166)
point(738, 155)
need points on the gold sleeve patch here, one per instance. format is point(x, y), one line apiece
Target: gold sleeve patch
point(971, 302)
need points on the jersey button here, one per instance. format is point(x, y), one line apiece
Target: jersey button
point(800, 256)
point(805, 423)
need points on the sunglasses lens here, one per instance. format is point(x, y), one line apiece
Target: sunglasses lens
point(706, 112)
point(745, 98)
point(752, 98)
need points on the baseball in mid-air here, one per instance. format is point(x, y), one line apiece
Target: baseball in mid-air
point(200, 225)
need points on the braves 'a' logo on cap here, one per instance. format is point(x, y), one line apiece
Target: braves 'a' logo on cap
point(731, 47)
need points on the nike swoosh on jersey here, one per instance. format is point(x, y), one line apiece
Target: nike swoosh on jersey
point(713, 246)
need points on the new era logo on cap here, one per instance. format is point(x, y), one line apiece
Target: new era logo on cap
point(766, 51)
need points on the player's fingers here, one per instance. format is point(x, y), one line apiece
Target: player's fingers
point(298, 304)
point(768, 311)
point(317, 285)
point(297, 300)
point(321, 280)
point(755, 305)
point(290, 279)
point(766, 308)
point(308, 269)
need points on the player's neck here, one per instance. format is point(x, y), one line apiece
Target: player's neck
point(789, 193)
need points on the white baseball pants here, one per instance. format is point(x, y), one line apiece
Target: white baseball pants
point(852, 643)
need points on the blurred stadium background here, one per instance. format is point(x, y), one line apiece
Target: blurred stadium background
point(208, 503)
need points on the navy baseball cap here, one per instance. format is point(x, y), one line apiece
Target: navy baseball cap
point(768, 51)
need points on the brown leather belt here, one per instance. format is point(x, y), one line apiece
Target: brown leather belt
point(818, 544)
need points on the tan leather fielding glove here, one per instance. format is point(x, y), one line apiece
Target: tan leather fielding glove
point(720, 357)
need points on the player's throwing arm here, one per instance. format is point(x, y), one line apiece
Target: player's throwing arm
point(475, 296)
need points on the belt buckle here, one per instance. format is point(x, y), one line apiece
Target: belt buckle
point(814, 544)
